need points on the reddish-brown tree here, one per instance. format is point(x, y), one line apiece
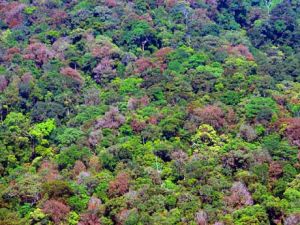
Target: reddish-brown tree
point(11, 52)
point(11, 13)
point(275, 170)
point(72, 73)
point(94, 204)
point(137, 125)
point(104, 70)
point(95, 137)
point(56, 210)
point(293, 219)
point(240, 50)
point(26, 78)
point(111, 3)
point(89, 219)
point(39, 53)
point(143, 64)
point(161, 56)
point(48, 171)
point(111, 119)
point(78, 168)
point(120, 185)
point(240, 196)
point(134, 103)
point(122, 216)
point(101, 51)
point(212, 115)
point(237, 159)
point(292, 130)
point(58, 17)
point(162, 53)
point(3, 83)
point(152, 120)
point(171, 3)
point(201, 218)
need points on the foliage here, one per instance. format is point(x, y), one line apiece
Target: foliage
point(149, 112)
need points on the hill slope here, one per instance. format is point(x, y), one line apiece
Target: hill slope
point(150, 112)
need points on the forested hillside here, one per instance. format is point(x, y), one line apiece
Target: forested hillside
point(150, 112)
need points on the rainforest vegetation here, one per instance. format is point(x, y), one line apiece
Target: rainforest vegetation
point(150, 112)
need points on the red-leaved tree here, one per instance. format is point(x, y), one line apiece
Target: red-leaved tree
point(122, 216)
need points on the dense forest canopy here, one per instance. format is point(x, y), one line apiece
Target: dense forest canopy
point(162, 112)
